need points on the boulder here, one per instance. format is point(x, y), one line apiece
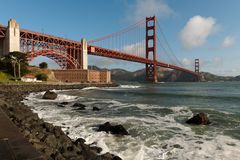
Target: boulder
point(96, 109)
point(49, 95)
point(79, 106)
point(96, 149)
point(109, 156)
point(199, 119)
point(117, 129)
point(79, 141)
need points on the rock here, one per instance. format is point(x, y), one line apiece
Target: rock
point(79, 106)
point(51, 141)
point(61, 106)
point(96, 149)
point(108, 156)
point(79, 141)
point(39, 146)
point(50, 95)
point(198, 119)
point(64, 103)
point(49, 127)
point(177, 146)
point(104, 127)
point(118, 129)
point(96, 109)
point(58, 131)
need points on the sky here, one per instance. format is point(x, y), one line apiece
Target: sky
point(204, 29)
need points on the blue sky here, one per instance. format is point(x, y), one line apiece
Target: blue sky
point(205, 29)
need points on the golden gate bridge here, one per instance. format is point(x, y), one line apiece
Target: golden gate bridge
point(143, 42)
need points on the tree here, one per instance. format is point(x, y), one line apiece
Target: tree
point(8, 63)
point(42, 77)
point(43, 65)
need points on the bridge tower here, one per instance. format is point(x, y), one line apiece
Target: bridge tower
point(83, 61)
point(197, 66)
point(11, 41)
point(151, 69)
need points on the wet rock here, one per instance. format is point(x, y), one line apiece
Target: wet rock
point(108, 156)
point(96, 149)
point(49, 127)
point(199, 119)
point(96, 109)
point(79, 141)
point(79, 106)
point(177, 146)
point(49, 140)
point(61, 106)
point(64, 103)
point(117, 129)
point(50, 95)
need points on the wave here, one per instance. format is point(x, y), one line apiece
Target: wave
point(152, 135)
point(90, 88)
point(129, 86)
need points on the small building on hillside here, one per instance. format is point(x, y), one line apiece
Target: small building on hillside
point(29, 78)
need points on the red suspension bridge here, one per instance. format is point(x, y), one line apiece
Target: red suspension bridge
point(136, 43)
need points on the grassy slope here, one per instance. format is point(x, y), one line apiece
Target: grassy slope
point(35, 71)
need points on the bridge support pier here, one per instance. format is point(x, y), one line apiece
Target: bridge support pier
point(151, 69)
point(11, 42)
point(84, 55)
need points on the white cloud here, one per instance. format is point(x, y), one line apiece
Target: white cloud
point(228, 41)
point(196, 31)
point(217, 61)
point(187, 62)
point(137, 48)
point(143, 8)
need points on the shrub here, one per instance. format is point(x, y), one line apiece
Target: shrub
point(43, 65)
point(42, 77)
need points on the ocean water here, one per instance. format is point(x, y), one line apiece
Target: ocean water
point(154, 115)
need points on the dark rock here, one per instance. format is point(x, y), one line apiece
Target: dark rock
point(70, 148)
point(79, 106)
point(58, 131)
point(177, 146)
point(116, 158)
point(49, 127)
point(50, 95)
point(51, 141)
point(64, 103)
point(108, 156)
point(105, 127)
point(61, 106)
point(96, 149)
point(96, 109)
point(117, 129)
point(79, 141)
point(198, 119)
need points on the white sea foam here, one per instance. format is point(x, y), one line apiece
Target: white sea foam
point(89, 88)
point(152, 136)
point(129, 86)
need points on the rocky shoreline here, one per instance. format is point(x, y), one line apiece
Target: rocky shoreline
point(47, 139)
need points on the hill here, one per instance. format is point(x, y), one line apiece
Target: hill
point(164, 75)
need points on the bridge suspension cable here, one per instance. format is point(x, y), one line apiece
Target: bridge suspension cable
point(130, 40)
point(167, 48)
